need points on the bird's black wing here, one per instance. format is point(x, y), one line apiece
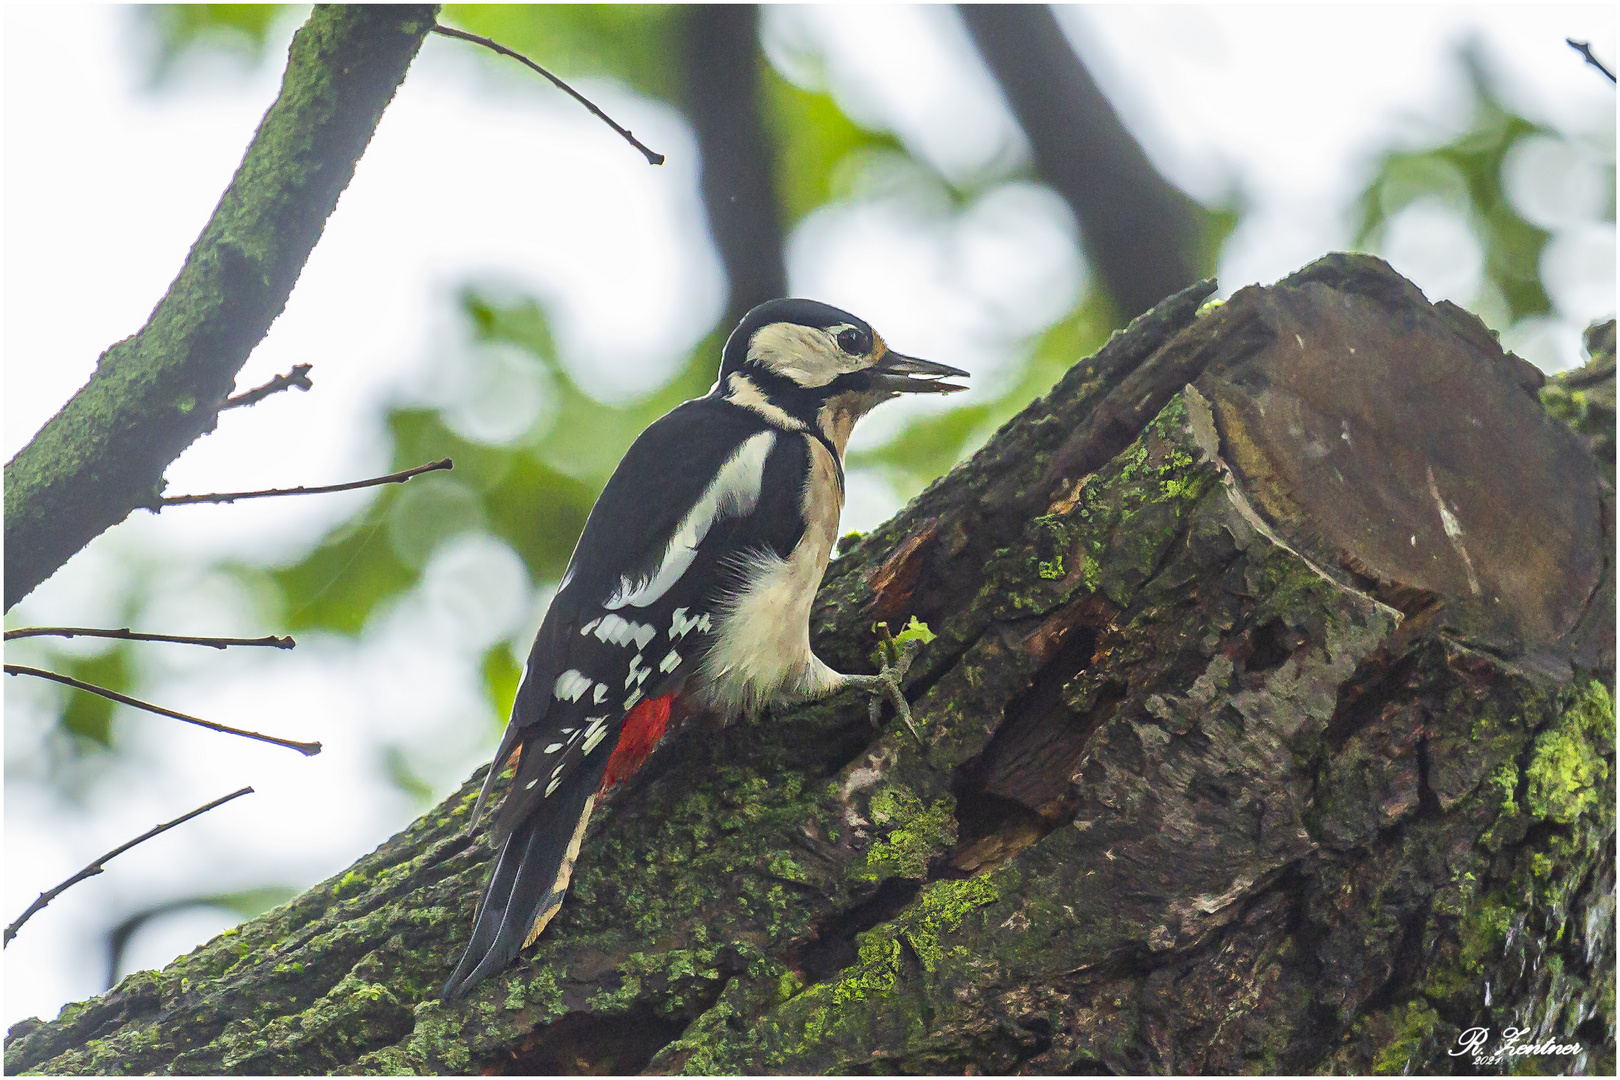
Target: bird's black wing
point(700, 489)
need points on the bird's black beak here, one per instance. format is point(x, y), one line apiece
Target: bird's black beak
point(908, 375)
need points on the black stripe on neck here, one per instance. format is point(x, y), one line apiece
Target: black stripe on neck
point(820, 436)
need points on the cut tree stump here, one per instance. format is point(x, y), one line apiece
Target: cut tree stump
point(1269, 728)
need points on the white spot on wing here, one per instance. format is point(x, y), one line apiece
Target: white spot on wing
point(733, 492)
point(670, 662)
point(554, 747)
point(585, 630)
point(595, 737)
point(552, 786)
point(622, 631)
point(638, 674)
point(680, 625)
point(571, 685)
point(635, 696)
point(600, 694)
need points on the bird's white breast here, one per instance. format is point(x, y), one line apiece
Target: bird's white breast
point(762, 650)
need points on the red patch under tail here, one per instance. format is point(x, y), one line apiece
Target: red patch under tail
point(644, 728)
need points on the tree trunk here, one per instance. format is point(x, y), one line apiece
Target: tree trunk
point(1267, 729)
point(1143, 234)
point(152, 394)
point(720, 61)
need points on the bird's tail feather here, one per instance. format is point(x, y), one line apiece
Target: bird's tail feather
point(530, 877)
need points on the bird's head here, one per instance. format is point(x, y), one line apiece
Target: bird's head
point(802, 363)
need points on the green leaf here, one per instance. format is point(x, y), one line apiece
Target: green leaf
point(87, 717)
point(915, 631)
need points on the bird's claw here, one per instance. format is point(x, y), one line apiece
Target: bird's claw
point(886, 684)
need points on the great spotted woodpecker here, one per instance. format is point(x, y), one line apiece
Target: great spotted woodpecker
point(690, 589)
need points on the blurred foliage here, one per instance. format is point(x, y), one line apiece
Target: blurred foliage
point(928, 447)
point(502, 674)
point(404, 777)
point(176, 29)
point(81, 741)
point(88, 717)
point(634, 43)
point(811, 137)
point(1465, 174)
point(244, 903)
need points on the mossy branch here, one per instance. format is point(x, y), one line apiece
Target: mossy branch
point(153, 394)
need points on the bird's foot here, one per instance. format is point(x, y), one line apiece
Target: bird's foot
point(885, 685)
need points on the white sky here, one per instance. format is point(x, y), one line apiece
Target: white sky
point(481, 174)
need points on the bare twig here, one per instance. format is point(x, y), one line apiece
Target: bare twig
point(100, 864)
point(308, 749)
point(126, 634)
point(298, 376)
point(1585, 49)
point(232, 496)
point(653, 158)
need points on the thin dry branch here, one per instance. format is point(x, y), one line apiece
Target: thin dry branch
point(652, 156)
point(100, 864)
point(232, 496)
point(1585, 49)
point(298, 376)
point(308, 749)
point(126, 634)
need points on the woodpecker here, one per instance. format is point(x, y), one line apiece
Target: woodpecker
point(689, 590)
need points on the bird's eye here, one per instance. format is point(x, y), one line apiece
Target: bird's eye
point(852, 341)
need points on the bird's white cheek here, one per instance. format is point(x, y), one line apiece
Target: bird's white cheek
point(803, 354)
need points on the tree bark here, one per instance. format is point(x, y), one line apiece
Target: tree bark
point(1142, 233)
point(1268, 728)
point(153, 394)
